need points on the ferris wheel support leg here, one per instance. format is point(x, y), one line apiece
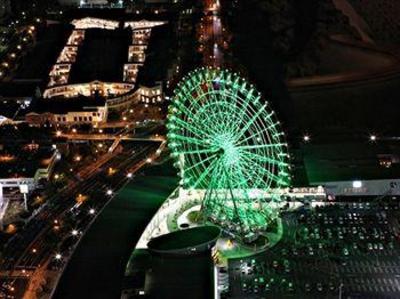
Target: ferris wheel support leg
point(235, 205)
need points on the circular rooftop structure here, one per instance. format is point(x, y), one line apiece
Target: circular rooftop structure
point(186, 242)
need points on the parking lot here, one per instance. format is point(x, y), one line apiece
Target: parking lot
point(346, 250)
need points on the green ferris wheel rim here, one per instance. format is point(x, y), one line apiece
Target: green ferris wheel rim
point(228, 142)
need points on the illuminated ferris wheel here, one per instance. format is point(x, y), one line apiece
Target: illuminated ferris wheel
point(227, 142)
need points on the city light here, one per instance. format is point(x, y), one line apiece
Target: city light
point(306, 138)
point(58, 133)
point(74, 232)
point(129, 175)
point(372, 138)
point(109, 192)
point(92, 211)
point(58, 256)
point(357, 184)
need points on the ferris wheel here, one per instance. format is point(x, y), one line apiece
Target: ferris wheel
point(228, 143)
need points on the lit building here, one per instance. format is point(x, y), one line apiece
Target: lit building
point(150, 95)
point(68, 112)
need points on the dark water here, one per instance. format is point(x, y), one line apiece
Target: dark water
point(96, 269)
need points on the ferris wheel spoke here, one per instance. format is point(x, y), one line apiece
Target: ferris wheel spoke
point(262, 132)
point(188, 95)
point(239, 176)
point(224, 123)
point(201, 162)
point(206, 171)
point(254, 160)
point(192, 152)
point(259, 158)
point(252, 120)
point(192, 128)
point(245, 106)
point(213, 119)
point(265, 172)
point(191, 140)
point(259, 146)
point(247, 171)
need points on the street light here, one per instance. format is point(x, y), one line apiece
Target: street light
point(372, 137)
point(58, 256)
point(306, 138)
point(74, 232)
point(129, 175)
point(92, 211)
point(109, 192)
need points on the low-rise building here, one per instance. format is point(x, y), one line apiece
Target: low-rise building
point(15, 101)
point(21, 172)
point(151, 95)
point(68, 112)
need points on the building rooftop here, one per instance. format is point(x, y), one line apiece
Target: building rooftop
point(157, 62)
point(65, 105)
point(23, 161)
point(351, 161)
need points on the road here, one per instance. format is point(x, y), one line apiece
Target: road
point(211, 35)
point(44, 235)
point(109, 137)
